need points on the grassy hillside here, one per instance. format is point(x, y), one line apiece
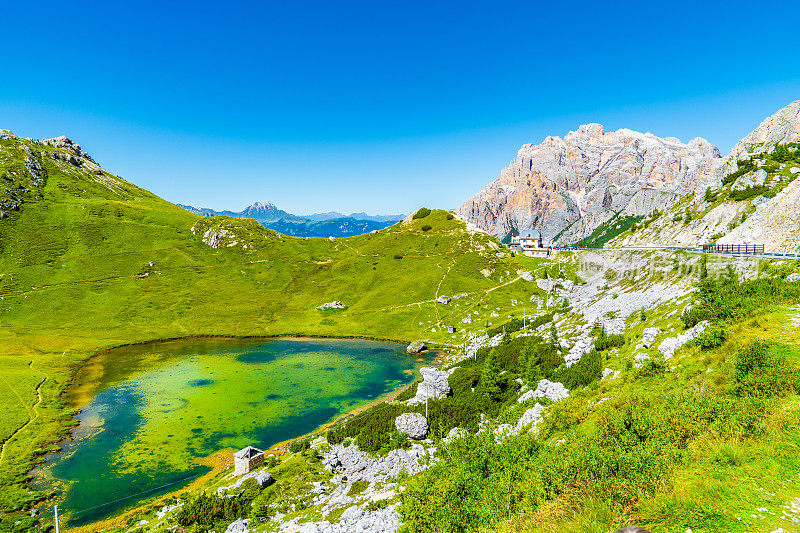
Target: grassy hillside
point(705, 440)
point(90, 261)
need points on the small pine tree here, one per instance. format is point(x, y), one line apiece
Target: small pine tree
point(489, 385)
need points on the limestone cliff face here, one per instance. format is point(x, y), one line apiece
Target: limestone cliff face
point(567, 187)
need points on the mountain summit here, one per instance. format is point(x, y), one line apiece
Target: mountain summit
point(567, 187)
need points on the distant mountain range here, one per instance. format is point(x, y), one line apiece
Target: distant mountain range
point(330, 224)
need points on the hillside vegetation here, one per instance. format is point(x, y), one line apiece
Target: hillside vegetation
point(90, 261)
point(704, 440)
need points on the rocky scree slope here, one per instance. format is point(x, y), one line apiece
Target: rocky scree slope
point(567, 187)
point(752, 199)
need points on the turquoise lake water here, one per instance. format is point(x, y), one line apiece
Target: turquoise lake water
point(150, 412)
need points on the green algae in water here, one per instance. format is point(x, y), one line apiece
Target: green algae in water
point(149, 412)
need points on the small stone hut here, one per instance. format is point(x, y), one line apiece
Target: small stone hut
point(247, 459)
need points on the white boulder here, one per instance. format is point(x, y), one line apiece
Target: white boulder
point(670, 345)
point(434, 385)
point(414, 425)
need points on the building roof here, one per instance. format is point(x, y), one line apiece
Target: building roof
point(247, 453)
point(530, 234)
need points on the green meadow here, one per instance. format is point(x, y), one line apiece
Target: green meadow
point(90, 262)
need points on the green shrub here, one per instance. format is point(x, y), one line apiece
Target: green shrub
point(357, 487)
point(512, 326)
point(585, 371)
point(712, 337)
point(624, 455)
point(299, 445)
point(398, 256)
point(743, 166)
point(762, 371)
point(205, 510)
point(422, 212)
point(652, 367)
point(450, 216)
point(751, 191)
point(335, 435)
point(710, 195)
point(605, 342)
point(725, 299)
point(784, 154)
point(426, 227)
point(377, 505)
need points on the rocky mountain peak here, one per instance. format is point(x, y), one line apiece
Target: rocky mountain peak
point(780, 128)
point(68, 144)
point(260, 207)
point(582, 180)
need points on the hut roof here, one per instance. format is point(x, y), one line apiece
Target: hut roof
point(247, 453)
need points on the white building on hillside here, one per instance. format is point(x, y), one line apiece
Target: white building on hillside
point(530, 242)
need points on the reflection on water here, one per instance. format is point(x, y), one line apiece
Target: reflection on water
point(149, 412)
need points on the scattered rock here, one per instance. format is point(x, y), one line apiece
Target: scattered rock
point(582, 346)
point(649, 335)
point(414, 425)
point(670, 345)
point(336, 304)
point(238, 526)
point(443, 300)
point(527, 276)
point(791, 278)
point(416, 347)
point(553, 391)
point(531, 416)
point(434, 385)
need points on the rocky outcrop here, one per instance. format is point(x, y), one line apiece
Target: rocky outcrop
point(355, 518)
point(553, 391)
point(775, 222)
point(646, 201)
point(531, 416)
point(238, 526)
point(781, 128)
point(68, 145)
point(649, 335)
point(434, 385)
point(670, 345)
point(569, 186)
point(414, 425)
point(416, 347)
point(261, 477)
point(336, 304)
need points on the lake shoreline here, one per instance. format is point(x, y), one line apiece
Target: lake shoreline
point(221, 460)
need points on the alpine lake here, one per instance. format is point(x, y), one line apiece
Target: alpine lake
point(151, 413)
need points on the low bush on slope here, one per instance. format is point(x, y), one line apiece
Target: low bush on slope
point(725, 299)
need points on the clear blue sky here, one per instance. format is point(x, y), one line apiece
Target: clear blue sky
point(377, 106)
